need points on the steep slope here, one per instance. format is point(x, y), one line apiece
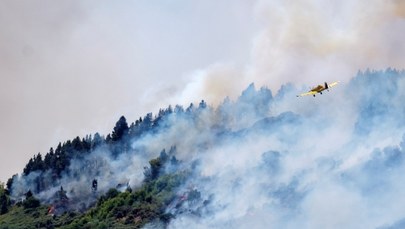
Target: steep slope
point(261, 161)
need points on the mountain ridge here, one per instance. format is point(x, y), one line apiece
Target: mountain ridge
point(276, 143)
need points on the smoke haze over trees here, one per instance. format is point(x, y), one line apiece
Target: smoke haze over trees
point(265, 160)
point(74, 67)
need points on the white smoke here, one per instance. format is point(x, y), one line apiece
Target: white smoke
point(269, 161)
point(335, 163)
point(306, 42)
point(264, 161)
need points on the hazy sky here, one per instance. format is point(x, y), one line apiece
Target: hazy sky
point(71, 68)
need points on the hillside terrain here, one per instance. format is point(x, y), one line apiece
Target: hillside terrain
point(263, 161)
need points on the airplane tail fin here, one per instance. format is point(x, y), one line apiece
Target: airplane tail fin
point(326, 86)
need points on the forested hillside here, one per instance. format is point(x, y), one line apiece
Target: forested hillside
point(228, 166)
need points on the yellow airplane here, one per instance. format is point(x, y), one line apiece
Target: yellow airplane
point(319, 89)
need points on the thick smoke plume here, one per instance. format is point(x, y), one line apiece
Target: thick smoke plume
point(268, 160)
point(308, 41)
point(333, 161)
point(93, 61)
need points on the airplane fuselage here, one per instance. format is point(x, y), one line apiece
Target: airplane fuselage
point(318, 88)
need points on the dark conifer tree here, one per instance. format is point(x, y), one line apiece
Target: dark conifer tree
point(4, 203)
point(97, 141)
point(9, 183)
point(190, 109)
point(28, 167)
point(147, 122)
point(4, 200)
point(108, 139)
point(178, 109)
point(77, 146)
point(121, 129)
point(202, 105)
point(38, 163)
point(49, 158)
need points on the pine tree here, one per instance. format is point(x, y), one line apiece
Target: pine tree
point(4, 200)
point(97, 141)
point(28, 167)
point(202, 105)
point(38, 163)
point(49, 160)
point(120, 130)
point(77, 144)
point(147, 122)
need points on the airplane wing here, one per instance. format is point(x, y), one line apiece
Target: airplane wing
point(307, 93)
point(333, 84)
